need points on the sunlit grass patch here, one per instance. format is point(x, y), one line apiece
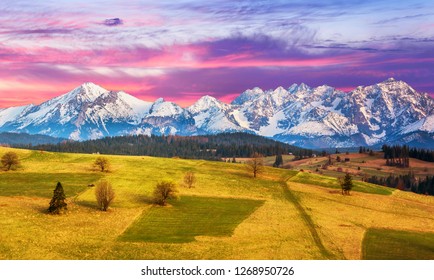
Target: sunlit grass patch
point(386, 244)
point(331, 182)
point(189, 217)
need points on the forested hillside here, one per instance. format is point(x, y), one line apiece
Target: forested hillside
point(213, 147)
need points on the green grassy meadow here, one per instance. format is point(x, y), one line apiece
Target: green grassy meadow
point(189, 217)
point(282, 214)
point(332, 182)
point(385, 244)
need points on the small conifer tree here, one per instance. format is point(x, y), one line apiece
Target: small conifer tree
point(347, 184)
point(57, 203)
point(279, 160)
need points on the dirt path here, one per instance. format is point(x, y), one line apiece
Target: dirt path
point(289, 195)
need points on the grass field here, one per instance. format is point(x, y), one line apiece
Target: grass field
point(41, 184)
point(189, 217)
point(282, 214)
point(331, 182)
point(386, 244)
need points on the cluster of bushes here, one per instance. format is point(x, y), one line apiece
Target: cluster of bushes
point(104, 193)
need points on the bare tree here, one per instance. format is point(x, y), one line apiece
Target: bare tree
point(102, 163)
point(255, 164)
point(104, 194)
point(189, 179)
point(163, 191)
point(9, 160)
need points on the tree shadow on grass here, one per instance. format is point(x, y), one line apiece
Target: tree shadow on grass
point(87, 204)
point(41, 209)
point(144, 199)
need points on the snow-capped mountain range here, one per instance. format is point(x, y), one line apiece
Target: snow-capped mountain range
point(321, 117)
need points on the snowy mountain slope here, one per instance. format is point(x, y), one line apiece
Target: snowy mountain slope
point(12, 113)
point(390, 111)
point(213, 115)
point(87, 112)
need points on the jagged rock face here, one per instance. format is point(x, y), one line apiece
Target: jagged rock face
point(390, 111)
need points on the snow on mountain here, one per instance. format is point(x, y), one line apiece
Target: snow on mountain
point(167, 118)
point(214, 116)
point(12, 113)
point(390, 111)
point(87, 112)
point(162, 108)
point(248, 95)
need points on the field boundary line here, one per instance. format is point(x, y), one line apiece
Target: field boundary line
point(289, 195)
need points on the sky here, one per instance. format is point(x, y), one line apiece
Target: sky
point(182, 50)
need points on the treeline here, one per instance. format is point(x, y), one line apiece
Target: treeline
point(396, 155)
point(210, 147)
point(406, 182)
point(422, 154)
point(24, 139)
point(399, 155)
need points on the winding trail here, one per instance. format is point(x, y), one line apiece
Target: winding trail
point(290, 196)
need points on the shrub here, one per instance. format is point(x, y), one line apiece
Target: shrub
point(9, 160)
point(102, 163)
point(189, 179)
point(163, 191)
point(104, 194)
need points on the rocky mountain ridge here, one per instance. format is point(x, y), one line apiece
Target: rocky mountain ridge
point(319, 117)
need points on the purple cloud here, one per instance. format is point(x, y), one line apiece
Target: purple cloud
point(113, 22)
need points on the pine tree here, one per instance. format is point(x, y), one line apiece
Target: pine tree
point(57, 203)
point(279, 160)
point(347, 184)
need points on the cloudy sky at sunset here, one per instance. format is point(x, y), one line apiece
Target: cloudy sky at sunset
point(181, 50)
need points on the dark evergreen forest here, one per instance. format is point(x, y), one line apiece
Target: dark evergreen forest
point(407, 182)
point(210, 147)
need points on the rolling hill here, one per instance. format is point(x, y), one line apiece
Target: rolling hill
point(282, 214)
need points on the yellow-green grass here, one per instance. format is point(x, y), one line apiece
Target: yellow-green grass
point(190, 216)
point(331, 182)
point(386, 244)
point(43, 184)
point(279, 229)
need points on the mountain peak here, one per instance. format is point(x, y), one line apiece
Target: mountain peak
point(208, 100)
point(86, 92)
point(159, 100)
point(303, 87)
point(314, 117)
point(204, 103)
point(88, 84)
point(390, 80)
point(248, 95)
